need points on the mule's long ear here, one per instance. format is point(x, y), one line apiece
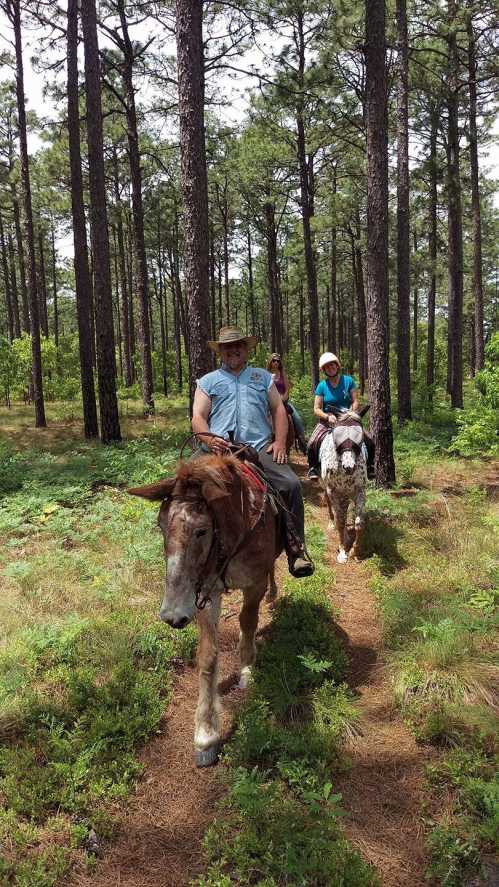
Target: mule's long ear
point(155, 492)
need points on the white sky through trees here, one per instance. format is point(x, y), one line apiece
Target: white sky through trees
point(233, 86)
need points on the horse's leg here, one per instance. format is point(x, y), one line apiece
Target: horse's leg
point(207, 726)
point(272, 587)
point(360, 504)
point(248, 620)
point(340, 511)
point(330, 525)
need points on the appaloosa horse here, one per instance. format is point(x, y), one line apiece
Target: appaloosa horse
point(344, 477)
point(220, 532)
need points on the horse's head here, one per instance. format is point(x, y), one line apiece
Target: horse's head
point(198, 526)
point(348, 436)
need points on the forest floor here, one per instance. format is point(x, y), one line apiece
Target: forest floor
point(161, 830)
point(87, 671)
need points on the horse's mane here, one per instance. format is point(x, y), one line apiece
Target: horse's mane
point(220, 470)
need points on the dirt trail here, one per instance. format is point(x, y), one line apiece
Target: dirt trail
point(382, 790)
point(160, 831)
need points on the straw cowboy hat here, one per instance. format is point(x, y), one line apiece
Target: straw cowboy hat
point(230, 334)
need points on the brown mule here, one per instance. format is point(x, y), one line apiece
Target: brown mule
point(219, 532)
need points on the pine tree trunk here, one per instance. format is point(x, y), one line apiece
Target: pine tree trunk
point(190, 64)
point(54, 289)
point(42, 285)
point(83, 283)
point(251, 286)
point(273, 278)
point(306, 208)
point(6, 280)
point(13, 288)
point(139, 251)
point(403, 267)
point(20, 259)
point(13, 9)
point(106, 359)
point(377, 242)
point(475, 204)
point(455, 225)
point(125, 316)
point(432, 249)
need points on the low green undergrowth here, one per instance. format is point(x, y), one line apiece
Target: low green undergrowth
point(85, 664)
point(279, 823)
point(435, 576)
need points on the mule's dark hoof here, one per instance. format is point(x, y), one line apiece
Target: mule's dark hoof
point(207, 757)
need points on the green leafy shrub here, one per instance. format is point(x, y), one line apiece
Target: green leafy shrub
point(479, 425)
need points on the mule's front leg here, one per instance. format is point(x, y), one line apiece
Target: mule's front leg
point(248, 620)
point(272, 587)
point(207, 725)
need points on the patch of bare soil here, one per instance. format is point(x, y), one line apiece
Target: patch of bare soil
point(382, 791)
point(158, 843)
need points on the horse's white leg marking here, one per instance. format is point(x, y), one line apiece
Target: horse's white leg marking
point(207, 725)
point(248, 620)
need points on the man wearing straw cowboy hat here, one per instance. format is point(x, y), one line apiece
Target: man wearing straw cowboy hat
point(235, 402)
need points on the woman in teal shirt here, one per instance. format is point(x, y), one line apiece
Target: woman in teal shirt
point(336, 391)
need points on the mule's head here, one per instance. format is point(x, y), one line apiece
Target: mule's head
point(348, 443)
point(193, 505)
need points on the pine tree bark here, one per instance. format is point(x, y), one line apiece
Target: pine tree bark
point(42, 285)
point(125, 316)
point(13, 288)
point(83, 283)
point(475, 202)
point(273, 278)
point(377, 242)
point(333, 277)
point(190, 64)
point(20, 260)
point(432, 249)
point(455, 224)
point(54, 289)
point(106, 358)
point(306, 201)
point(13, 9)
point(6, 280)
point(138, 217)
point(403, 268)
point(251, 286)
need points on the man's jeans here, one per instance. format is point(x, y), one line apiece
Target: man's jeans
point(283, 478)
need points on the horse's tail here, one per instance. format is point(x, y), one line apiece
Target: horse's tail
point(327, 455)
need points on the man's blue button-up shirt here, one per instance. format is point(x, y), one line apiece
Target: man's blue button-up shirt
point(239, 404)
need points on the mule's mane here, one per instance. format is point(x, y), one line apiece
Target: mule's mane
point(217, 469)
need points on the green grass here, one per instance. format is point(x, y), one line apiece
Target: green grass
point(280, 822)
point(435, 575)
point(85, 664)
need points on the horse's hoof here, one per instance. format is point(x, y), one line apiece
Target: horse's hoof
point(207, 757)
point(342, 557)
